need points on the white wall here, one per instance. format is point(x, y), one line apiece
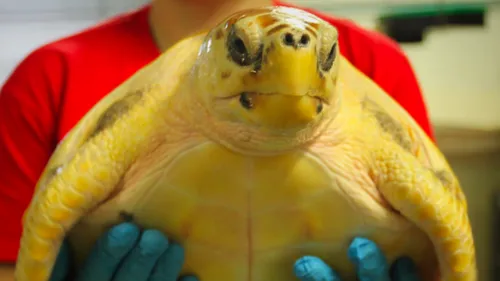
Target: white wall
point(459, 68)
point(26, 24)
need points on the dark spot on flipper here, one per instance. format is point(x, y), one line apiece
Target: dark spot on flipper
point(447, 179)
point(115, 111)
point(392, 127)
point(444, 177)
point(389, 124)
point(51, 173)
point(126, 216)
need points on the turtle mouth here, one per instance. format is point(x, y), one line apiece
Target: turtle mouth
point(246, 98)
point(277, 111)
point(308, 94)
point(306, 105)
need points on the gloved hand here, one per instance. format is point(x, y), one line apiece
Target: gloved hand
point(126, 254)
point(370, 262)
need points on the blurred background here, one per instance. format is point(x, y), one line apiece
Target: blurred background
point(453, 45)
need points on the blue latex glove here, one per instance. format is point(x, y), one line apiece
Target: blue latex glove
point(370, 263)
point(125, 253)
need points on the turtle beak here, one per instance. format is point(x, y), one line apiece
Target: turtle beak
point(288, 91)
point(292, 71)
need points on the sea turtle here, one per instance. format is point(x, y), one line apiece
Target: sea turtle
point(253, 144)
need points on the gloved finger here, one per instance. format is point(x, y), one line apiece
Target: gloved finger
point(370, 262)
point(189, 278)
point(309, 268)
point(140, 262)
point(404, 269)
point(169, 264)
point(61, 267)
point(108, 252)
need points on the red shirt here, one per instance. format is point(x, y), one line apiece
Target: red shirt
point(54, 86)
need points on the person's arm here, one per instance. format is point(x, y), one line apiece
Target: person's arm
point(28, 106)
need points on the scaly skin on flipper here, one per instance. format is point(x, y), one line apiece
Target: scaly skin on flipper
point(260, 146)
point(65, 198)
point(82, 131)
point(423, 188)
point(408, 134)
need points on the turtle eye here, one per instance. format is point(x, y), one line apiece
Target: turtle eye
point(327, 64)
point(237, 49)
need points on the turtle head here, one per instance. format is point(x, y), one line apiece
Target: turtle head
point(272, 69)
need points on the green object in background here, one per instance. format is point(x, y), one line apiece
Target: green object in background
point(407, 24)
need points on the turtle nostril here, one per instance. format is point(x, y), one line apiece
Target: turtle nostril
point(296, 42)
point(246, 100)
point(304, 40)
point(319, 107)
point(289, 40)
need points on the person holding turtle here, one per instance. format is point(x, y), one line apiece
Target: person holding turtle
point(55, 85)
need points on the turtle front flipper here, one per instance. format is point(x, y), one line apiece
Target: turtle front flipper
point(420, 196)
point(82, 183)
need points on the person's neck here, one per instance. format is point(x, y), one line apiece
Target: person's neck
point(173, 20)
